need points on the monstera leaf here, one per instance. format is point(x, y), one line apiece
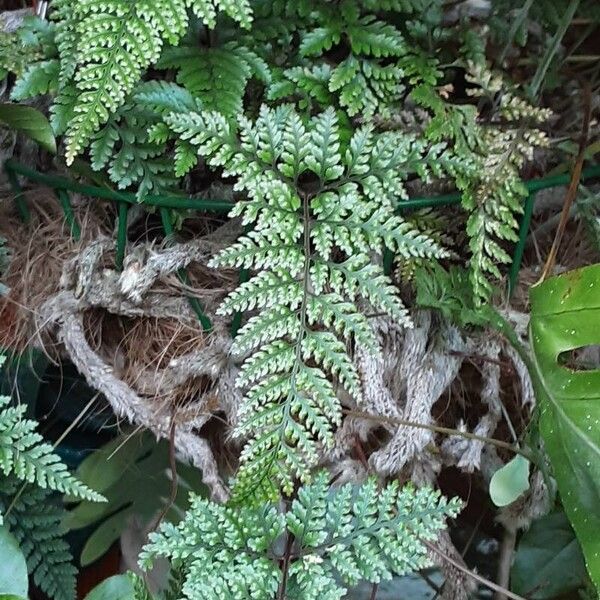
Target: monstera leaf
point(132, 472)
point(565, 317)
point(548, 562)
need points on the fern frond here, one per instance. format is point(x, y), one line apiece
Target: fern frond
point(21, 49)
point(123, 147)
point(105, 48)
point(319, 207)
point(485, 162)
point(217, 76)
point(367, 78)
point(207, 11)
point(340, 537)
point(496, 197)
point(37, 79)
point(24, 454)
point(434, 226)
point(35, 521)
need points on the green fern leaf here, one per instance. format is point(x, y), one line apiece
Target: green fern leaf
point(35, 521)
point(304, 185)
point(24, 454)
point(105, 48)
point(340, 537)
point(216, 76)
point(38, 79)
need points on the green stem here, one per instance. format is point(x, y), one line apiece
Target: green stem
point(544, 65)
point(121, 235)
point(71, 219)
point(183, 274)
point(515, 266)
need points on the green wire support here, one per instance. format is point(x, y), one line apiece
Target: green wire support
point(183, 274)
point(70, 218)
point(121, 234)
point(517, 259)
point(13, 168)
point(533, 186)
point(176, 202)
point(13, 180)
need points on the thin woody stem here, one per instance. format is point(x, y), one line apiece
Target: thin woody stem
point(437, 429)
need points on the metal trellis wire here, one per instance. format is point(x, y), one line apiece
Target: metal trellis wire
point(62, 186)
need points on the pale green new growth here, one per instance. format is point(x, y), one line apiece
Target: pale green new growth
point(334, 538)
point(319, 208)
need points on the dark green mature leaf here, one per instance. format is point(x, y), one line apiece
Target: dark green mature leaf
point(13, 568)
point(30, 122)
point(565, 316)
point(450, 292)
point(549, 561)
point(133, 473)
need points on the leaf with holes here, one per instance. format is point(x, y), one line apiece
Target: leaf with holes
point(565, 316)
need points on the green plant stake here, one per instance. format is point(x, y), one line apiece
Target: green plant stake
point(565, 316)
point(70, 218)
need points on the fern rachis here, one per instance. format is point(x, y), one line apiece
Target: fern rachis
point(319, 209)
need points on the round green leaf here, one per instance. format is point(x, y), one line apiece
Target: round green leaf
point(13, 568)
point(118, 587)
point(509, 482)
